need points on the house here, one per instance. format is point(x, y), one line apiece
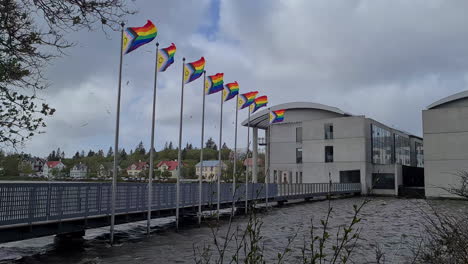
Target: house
point(106, 169)
point(136, 168)
point(170, 166)
point(35, 164)
point(210, 169)
point(79, 171)
point(52, 169)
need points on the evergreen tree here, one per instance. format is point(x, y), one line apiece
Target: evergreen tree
point(91, 153)
point(123, 154)
point(62, 155)
point(76, 156)
point(140, 149)
point(210, 144)
point(82, 154)
point(110, 153)
point(166, 146)
point(170, 146)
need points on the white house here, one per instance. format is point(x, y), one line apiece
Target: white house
point(79, 171)
point(52, 168)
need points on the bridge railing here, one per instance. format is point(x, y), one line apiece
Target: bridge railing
point(27, 203)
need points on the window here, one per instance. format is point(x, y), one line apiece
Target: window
point(402, 150)
point(328, 131)
point(299, 134)
point(300, 176)
point(275, 176)
point(382, 146)
point(383, 181)
point(328, 153)
point(299, 155)
point(297, 177)
point(351, 176)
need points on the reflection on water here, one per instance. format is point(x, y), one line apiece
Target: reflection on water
point(394, 225)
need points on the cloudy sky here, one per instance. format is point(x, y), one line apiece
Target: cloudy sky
point(383, 59)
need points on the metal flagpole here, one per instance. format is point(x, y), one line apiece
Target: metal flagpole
point(116, 146)
point(200, 177)
point(235, 155)
point(267, 175)
point(247, 168)
point(153, 120)
point(219, 155)
point(179, 156)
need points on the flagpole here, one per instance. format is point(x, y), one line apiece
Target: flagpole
point(179, 156)
point(267, 175)
point(235, 155)
point(219, 154)
point(200, 177)
point(247, 167)
point(153, 120)
point(116, 146)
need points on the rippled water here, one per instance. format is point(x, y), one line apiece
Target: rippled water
point(393, 225)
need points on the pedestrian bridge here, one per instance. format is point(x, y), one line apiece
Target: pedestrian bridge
point(29, 210)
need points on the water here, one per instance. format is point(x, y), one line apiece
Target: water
point(395, 226)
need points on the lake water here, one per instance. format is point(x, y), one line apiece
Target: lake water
point(393, 225)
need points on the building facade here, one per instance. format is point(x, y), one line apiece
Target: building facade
point(53, 169)
point(136, 168)
point(168, 167)
point(445, 128)
point(210, 169)
point(318, 144)
point(79, 171)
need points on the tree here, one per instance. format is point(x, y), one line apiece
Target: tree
point(100, 153)
point(52, 156)
point(76, 156)
point(82, 154)
point(110, 153)
point(225, 152)
point(31, 34)
point(91, 153)
point(140, 148)
point(170, 147)
point(210, 144)
point(123, 154)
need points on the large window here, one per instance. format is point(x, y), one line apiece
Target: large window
point(402, 150)
point(299, 155)
point(351, 176)
point(419, 154)
point(382, 145)
point(299, 134)
point(383, 181)
point(328, 153)
point(328, 131)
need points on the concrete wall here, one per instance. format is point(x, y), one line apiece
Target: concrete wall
point(445, 146)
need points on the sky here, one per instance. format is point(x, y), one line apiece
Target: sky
point(387, 60)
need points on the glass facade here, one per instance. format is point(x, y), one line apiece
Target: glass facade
point(402, 150)
point(419, 154)
point(382, 145)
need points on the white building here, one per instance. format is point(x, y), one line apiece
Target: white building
point(318, 143)
point(52, 169)
point(445, 126)
point(79, 171)
point(210, 169)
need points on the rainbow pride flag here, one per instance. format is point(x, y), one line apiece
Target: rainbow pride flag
point(259, 103)
point(277, 116)
point(214, 83)
point(230, 91)
point(193, 70)
point(246, 99)
point(166, 57)
point(134, 37)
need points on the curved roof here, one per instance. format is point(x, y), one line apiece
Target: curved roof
point(448, 99)
point(260, 119)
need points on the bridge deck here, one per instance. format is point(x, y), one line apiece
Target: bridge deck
point(30, 210)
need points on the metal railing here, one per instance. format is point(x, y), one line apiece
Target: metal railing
point(28, 203)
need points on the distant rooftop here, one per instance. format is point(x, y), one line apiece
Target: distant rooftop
point(209, 163)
